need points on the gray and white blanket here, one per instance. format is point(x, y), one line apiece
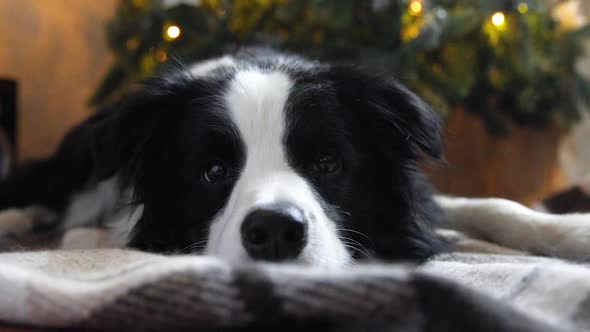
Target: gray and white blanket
point(114, 289)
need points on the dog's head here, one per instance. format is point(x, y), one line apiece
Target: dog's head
point(274, 159)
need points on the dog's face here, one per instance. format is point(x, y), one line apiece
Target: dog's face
point(274, 161)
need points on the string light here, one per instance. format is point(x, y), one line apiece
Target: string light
point(415, 8)
point(411, 32)
point(523, 8)
point(498, 19)
point(172, 32)
point(161, 56)
point(132, 44)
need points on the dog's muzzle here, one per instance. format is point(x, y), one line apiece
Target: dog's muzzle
point(275, 233)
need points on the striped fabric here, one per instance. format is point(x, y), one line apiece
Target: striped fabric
point(132, 291)
point(480, 287)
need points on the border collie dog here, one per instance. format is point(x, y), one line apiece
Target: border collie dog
point(263, 156)
point(251, 156)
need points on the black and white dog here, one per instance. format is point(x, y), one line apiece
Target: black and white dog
point(259, 156)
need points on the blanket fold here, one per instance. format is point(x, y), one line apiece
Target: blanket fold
point(132, 291)
point(480, 287)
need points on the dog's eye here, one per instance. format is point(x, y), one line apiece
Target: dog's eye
point(215, 171)
point(327, 164)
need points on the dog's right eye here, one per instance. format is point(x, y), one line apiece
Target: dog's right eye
point(215, 171)
point(327, 164)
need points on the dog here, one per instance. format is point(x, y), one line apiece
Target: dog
point(265, 156)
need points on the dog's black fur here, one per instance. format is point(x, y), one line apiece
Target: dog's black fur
point(155, 138)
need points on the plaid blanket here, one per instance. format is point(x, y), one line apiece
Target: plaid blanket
point(116, 289)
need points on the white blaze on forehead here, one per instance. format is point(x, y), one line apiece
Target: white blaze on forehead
point(256, 101)
point(204, 68)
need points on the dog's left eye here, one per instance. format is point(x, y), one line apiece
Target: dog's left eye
point(327, 164)
point(215, 171)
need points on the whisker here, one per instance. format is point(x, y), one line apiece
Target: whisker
point(351, 240)
point(366, 254)
point(191, 249)
point(352, 231)
point(351, 243)
point(340, 209)
point(198, 244)
point(360, 247)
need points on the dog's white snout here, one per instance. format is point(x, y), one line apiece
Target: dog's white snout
point(285, 187)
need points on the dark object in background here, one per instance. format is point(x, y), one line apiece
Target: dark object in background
point(8, 95)
point(574, 199)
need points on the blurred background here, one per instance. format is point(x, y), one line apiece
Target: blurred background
point(511, 78)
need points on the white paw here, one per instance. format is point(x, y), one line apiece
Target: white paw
point(509, 224)
point(15, 222)
point(86, 238)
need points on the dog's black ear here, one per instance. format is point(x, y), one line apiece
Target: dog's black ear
point(121, 133)
point(390, 111)
point(118, 133)
point(399, 109)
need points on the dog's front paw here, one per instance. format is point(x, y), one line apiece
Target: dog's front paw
point(15, 222)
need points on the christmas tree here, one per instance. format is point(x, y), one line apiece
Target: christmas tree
point(504, 60)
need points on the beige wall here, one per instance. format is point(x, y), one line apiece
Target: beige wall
point(56, 49)
point(574, 152)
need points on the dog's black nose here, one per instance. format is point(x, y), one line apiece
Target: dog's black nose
point(275, 232)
